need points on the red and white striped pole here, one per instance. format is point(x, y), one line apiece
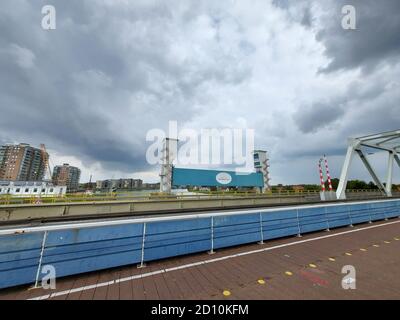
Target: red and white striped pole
point(328, 174)
point(321, 177)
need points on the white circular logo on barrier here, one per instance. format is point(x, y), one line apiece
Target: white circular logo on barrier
point(223, 178)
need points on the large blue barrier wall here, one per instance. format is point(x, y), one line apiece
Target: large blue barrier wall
point(79, 249)
point(209, 178)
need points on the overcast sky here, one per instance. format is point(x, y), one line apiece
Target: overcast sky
point(114, 69)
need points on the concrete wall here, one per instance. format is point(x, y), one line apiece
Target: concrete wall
point(58, 210)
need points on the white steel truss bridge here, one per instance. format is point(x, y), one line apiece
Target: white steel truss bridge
point(386, 141)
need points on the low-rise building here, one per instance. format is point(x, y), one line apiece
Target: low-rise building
point(122, 184)
point(151, 186)
point(31, 189)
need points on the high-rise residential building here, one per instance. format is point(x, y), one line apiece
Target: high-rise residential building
point(67, 175)
point(22, 162)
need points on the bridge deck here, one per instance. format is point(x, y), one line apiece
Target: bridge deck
point(292, 268)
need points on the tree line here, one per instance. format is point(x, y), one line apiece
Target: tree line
point(351, 185)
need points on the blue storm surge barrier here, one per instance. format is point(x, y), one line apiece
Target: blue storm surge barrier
point(79, 249)
point(208, 178)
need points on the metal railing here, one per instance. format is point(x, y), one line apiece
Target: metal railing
point(74, 248)
point(106, 197)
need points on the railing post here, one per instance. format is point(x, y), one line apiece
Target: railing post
point(351, 220)
point(399, 208)
point(40, 259)
point(384, 214)
point(327, 220)
point(212, 236)
point(142, 264)
point(369, 213)
point(261, 230)
point(298, 224)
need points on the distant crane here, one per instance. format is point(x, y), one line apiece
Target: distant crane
point(46, 160)
point(89, 189)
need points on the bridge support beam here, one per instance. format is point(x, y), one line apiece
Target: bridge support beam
point(389, 177)
point(371, 171)
point(396, 157)
point(341, 190)
point(385, 141)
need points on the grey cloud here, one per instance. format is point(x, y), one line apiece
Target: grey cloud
point(282, 3)
point(113, 70)
point(307, 19)
point(91, 70)
point(360, 97)
point(317, 116)
point(376, 39)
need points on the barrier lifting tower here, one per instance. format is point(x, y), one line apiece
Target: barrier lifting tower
point(261, 165)
point(168, 157)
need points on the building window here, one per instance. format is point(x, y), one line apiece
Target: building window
point(35, 190)
point(51, 190)
point(26, 190)
point(43, 190)
point(18, 190)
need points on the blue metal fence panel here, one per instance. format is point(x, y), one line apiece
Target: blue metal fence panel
point(393, 210)
point(360, 213)
point(209, 178)
point(280, 224)
point(238, 229)
point(313, 219)
point(338, 216)
point(172, 238)
point(19, 257)
point(85, 250)
point(89, 249)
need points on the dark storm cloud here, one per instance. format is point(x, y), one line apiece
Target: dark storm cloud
point(318, 115)
point(307, 19)
point(96, 84)
point(115, 69)
point(376, 38)
point(282, 3)
point(370, 104)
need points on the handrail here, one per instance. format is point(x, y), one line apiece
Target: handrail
point(133, 220)
point(137, 241)
point(9, 200)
